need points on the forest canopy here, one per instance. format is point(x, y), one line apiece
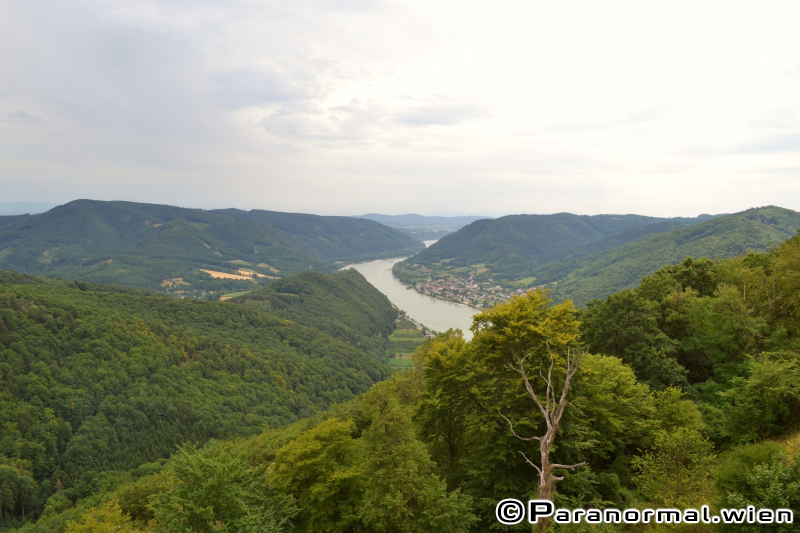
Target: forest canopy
point(686, 394)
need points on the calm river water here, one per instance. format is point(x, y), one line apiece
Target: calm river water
point(438, 315)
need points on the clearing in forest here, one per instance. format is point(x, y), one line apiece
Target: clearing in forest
point(225, 275)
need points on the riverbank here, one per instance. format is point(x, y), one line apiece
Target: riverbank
point(432, 294)
point(434, 313)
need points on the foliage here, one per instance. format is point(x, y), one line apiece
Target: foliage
point(343, 305)
point(219, 490)
point(626, 325)
point(143, 245)
point(675, 470)
point(764, 477)
point(323, 471)
point(698, 358)
point(102, 519)
point(99, 379)
point(584, 258)
point(768, 400)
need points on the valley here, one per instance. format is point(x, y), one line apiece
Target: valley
point(304, 382)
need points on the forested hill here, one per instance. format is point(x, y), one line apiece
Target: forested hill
point(163, 247)
point(100, 378)
point(510, 247)
point(343, 305)
point(598, 275)
point(683, 391)
point(591, 257)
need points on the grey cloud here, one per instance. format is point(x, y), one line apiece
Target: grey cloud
point(631, 118)
point(780, 118)
point(240, 88)
point(784, 143)
point(19, 117)
point(440, 115)
point(368, 6)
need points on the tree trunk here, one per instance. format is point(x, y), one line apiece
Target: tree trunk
point(552, 409)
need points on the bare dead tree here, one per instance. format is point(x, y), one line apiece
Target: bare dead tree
point(552, 409)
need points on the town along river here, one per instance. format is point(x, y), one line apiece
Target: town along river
point(439, 315)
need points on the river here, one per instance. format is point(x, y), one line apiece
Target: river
point(439, 315)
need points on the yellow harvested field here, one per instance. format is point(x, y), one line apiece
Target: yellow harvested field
point(248, 272)
point(225, 275)
point(264, 265)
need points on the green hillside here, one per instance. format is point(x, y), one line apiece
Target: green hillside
point(684, 391)
point(163, 247)
point(510, 248)
point(99, 378)
point(343, 305)
point(566, 255)
point(598, 275)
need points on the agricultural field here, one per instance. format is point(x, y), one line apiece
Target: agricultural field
point(402, 344)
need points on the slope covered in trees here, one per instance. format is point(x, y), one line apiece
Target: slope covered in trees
point(687, 392)
point(688, 395)
point(343, 305)
point(162, 247)
point(580, 263)
point(511, 246)
point(597, 275)
point(99, 378)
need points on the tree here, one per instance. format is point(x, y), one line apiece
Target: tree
point(220, 491)
point(767, 402)
point(626, 325)
point(674, 470)
point(103, 519)
point(552, 410)
point(321, 469)
point(403, 494)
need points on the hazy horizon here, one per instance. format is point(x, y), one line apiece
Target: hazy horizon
point(14, 208)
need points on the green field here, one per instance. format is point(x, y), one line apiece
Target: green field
point(405, 334)
point(235, 294)
point(404, 362)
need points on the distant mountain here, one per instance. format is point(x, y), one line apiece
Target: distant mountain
point(421, 227)
point(24, 208)
point(600, 274)
point(165, 248)
point(512, 247)
point(422, 221)
point(583, 257)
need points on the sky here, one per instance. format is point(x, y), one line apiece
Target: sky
point(415, 106)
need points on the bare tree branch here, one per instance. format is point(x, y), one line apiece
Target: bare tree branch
point(531, 463)
point(552, 409)
point(569, 467)
point(511, 427)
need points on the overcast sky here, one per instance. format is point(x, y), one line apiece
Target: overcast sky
point(426, 106)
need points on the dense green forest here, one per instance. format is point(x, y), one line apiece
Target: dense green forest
point(164, 248)
point(99, 378)
point(683, 391)
point(510, 247)
point(343, 305)
point(581, 262)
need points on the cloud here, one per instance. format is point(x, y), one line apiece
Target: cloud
point(778, 118)
point(344, 106)
point(441, 115)
point(781, 144)
point(241, 88)
point(19, 117)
